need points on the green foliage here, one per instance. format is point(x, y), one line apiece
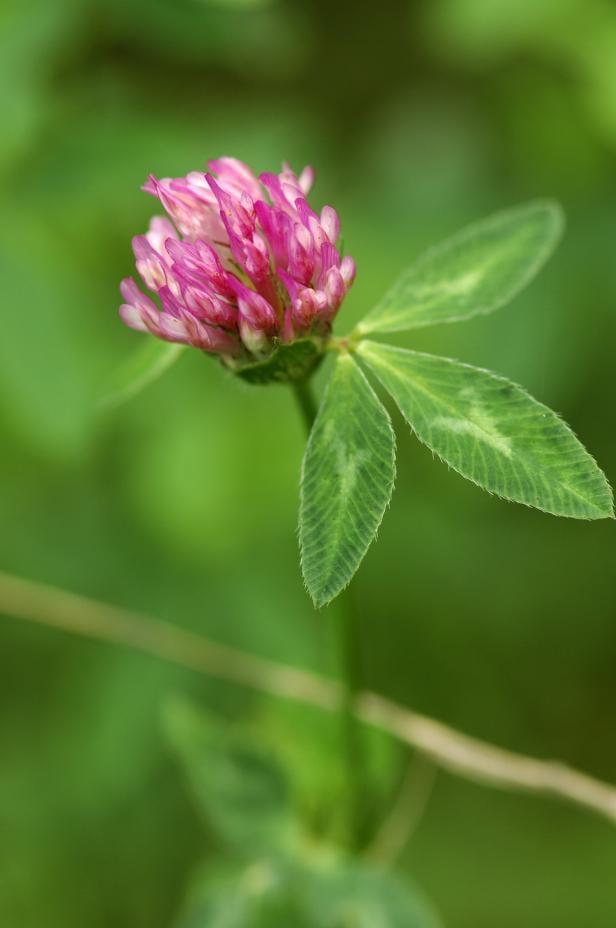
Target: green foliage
point(308, 745)
point(182, 507)
point(305, 884)
point(477, 271)
point(259, 895)
point(326, 892)
point(485, 427)
point(354, 895)
point(491, 431)
point(145, 365)
point(347, 480)
point(238, 787)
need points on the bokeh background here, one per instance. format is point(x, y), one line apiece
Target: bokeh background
point(418, 117)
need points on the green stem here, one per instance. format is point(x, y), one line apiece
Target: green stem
point(346, 646)
point(306, 402)
point(348, 656)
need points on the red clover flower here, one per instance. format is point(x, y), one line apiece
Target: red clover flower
point(244, 266)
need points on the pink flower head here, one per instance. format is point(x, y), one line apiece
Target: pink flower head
point(240, 265)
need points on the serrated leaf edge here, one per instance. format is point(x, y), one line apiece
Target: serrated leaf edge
point(362, 329)
point(320, 603)
point(505, 381)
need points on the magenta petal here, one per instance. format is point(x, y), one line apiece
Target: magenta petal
point(198, 264)
point(305, 212)
point(276, 226)
point(291, 284)
point(237, 174)
point(161, 229)
point(254, 308)
point(335, 288)
point(150, 263)
point(172, 303)
point(132, 294)
point(272, 184)
point(306, 180)
point(132, 317)
point(171, 329)
point(218, 262)
point(329, 257)
point(151, 185)
point(330, 223)
point(348, 270)
point(302, 254)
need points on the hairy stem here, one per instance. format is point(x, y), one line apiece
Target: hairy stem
point(347, 659)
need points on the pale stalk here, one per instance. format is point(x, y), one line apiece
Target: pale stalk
point(452, 750)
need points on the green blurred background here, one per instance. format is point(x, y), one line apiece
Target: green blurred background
point(418, 117)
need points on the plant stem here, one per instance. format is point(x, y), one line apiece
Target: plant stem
point(460, 754)
point(406, 812)
point(347, 659)
point(306, 402)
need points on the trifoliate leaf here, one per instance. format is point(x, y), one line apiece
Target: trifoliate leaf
point(347, 479)
point(493, 432)
point(475, 272)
